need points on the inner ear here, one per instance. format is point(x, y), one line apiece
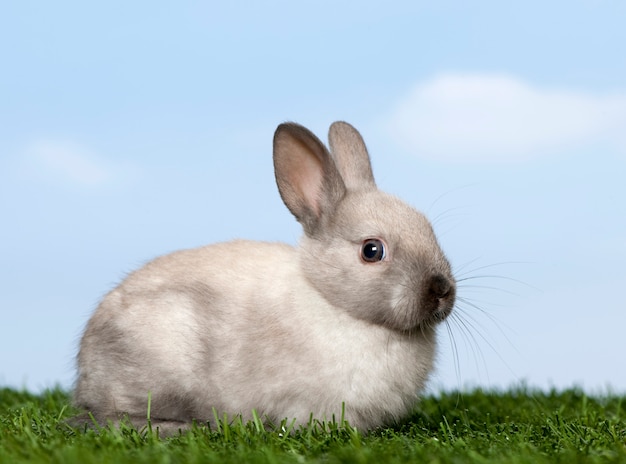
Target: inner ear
point(306, 174)
point(308, 180)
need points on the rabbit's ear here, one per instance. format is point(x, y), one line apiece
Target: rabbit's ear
point(308, 180)
point(350, 154)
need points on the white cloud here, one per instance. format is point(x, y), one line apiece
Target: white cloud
point(495, 117)
point(70, 163)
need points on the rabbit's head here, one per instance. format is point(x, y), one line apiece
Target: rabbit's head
point(366, 252)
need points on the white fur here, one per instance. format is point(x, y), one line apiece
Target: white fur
point(285, 331)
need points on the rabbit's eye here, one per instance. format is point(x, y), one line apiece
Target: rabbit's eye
point(372, 250)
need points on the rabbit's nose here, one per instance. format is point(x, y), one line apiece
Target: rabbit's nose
point(440, 296)
point(439, 286)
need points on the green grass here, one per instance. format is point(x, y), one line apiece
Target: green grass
point(517, 426)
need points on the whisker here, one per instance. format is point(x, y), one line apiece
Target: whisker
point(494, 320)
point(499, 277)
point(455, 354)
point(488, 287)
point(458, 272)
point(472, 324)
point(468, 330)
point(447, 216)
point(449, 192)
point(463, 266)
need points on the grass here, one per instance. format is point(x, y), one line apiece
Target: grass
point(517, 426)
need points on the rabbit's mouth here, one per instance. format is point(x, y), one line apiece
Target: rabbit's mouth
point(425, 308)
point(419, 317)
point(432, 319)
point(440, 315)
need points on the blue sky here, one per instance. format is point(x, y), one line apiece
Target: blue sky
point(131, 129)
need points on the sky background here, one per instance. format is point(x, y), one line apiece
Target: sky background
point(132, 129)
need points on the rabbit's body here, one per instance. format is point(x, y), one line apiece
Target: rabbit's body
point(255, 354)
point(287, 331)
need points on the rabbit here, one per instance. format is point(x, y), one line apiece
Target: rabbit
point(345, 322)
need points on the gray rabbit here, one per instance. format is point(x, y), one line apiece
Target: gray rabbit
point(347, 316)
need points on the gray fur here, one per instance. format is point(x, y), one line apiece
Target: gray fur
point(287, 331)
